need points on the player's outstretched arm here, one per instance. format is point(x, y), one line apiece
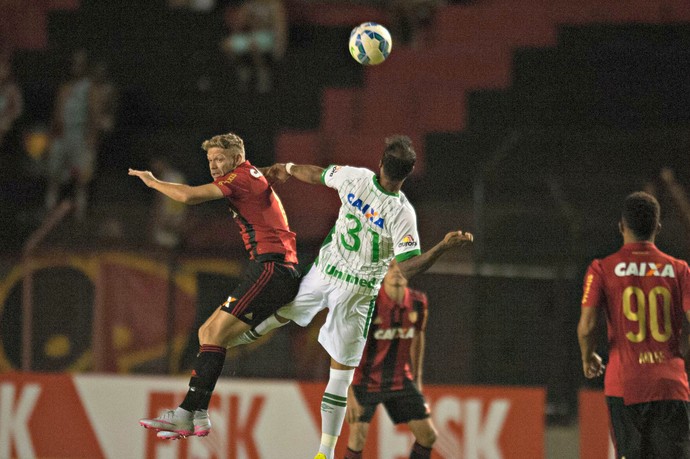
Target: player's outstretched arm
point(303, 172)
point(415, 265)
point(179, 191)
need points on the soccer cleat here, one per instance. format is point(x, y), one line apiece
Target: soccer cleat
point(202, 427)
point(320, 456)
point(165, 435)
point(202, 423)
point(168, 421)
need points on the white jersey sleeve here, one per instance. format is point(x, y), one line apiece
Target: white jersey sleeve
point(405, 235)
point(335, 176)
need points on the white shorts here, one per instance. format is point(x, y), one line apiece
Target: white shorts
point(344, 333)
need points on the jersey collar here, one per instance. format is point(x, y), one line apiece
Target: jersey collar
point(381, 189)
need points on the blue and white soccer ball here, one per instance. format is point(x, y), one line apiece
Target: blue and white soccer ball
point(370, 43)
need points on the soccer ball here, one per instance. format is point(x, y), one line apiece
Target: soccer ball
point(370, 43)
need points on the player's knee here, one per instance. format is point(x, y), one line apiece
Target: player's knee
point(202, 333)
point(207, 334)
point(427, 437)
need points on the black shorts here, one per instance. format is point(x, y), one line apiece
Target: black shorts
point(658, 430)
point(403, 405)
point(264, 288)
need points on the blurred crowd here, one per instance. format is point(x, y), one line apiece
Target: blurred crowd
point(62, 148)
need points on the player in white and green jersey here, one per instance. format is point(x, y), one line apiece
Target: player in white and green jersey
point(373, 226)
point(376, 223)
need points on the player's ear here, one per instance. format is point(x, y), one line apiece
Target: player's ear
point(620, 226)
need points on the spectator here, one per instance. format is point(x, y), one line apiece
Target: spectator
point(168, 215)
point(257, 41)
point(103, 100)
point(11, 100)
point(84, 109)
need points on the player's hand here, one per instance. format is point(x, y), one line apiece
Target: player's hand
point(145, 176)
point(277, 173)
point(354, 409)
point(593, 366)
point(457, 239)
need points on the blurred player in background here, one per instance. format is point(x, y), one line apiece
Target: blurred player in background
point(390, 372)
point(270, 280)
point(645, 295)
point(376, 224)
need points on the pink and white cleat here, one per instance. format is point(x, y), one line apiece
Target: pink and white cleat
point(202, 427)
point(170, 421)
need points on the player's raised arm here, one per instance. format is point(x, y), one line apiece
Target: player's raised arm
point(178, 191)
point(420, 263)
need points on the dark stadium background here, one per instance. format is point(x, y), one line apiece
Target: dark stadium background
point(537, 168)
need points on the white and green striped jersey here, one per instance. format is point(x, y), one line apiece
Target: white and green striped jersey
point(373, 226)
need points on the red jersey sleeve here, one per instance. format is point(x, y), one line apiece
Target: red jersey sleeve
point(232, 185)
point(593, 294)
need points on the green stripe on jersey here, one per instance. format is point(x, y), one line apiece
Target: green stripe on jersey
point(323, 174)
point(407, 255)
point(329, 237)
point(369, 314)
point(382, 189)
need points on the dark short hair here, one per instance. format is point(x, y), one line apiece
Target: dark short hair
point(641, 214)
point(398, 157)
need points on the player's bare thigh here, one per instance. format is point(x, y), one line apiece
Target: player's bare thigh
point(220, 328)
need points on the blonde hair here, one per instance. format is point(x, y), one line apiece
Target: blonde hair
point(227, 141)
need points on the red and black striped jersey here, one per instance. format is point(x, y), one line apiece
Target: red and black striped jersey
point(385, 363)
point(258, 212)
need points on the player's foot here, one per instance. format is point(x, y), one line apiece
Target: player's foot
point(202, 427)
point(171, 422)
point(202, 423)
point(320, 456)
point(165, 435)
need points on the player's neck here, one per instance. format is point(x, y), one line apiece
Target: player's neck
point(389, 185)
point(629, 238)
point(395, 292)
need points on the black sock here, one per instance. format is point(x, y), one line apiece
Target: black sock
point(207, 368)
point(420, 452)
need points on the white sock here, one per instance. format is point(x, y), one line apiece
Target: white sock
point(257, 332)
point(333, 409)
point(247, 337)
point(269, 324)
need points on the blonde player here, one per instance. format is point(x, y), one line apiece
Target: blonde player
point(376, 223)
